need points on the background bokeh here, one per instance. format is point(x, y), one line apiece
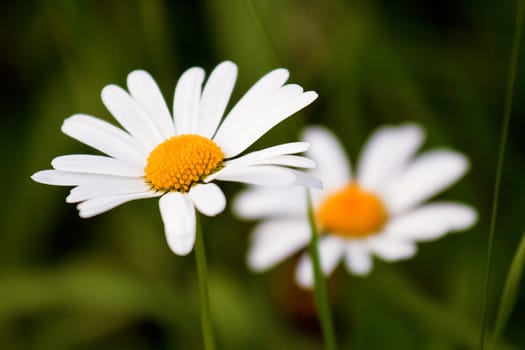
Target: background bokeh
point(110, 282)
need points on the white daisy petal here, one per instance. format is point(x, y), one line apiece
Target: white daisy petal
point(208, 199)
point(131, 116)
point(265, 175)
point(306, 180)
point(63, 178)
point(186, 101)
point(99, 205)
point(259, 202)
point(317, 195)
point(333, 167)
point(243, 127)
point(105, 137)
point(248, 104)
point(304, 275)
point(390, 249)
point(105, 188)
point(426, 176)
point(431, 221)
point(270, 152)
point(84, 163)
point(147, 94)
point(288, 160)
point(357, 258)
point(331, 250)
point(275, 157)
point(215, 97)
point(386, 153)
point(275, 240)
point(178, 215)
point(288, 100)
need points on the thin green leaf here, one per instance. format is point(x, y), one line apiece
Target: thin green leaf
point(513, 67)
point(510, 292)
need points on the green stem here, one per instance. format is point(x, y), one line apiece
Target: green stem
point(321, 294)
point(202, 273)
point(501, 156)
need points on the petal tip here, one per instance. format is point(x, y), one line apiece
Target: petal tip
point(304, 283)
point(181, 248)
point(41, 176)
point(254, 263)
point(71, 198)
point(84, 215)
point(228, 64)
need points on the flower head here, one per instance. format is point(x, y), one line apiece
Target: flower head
point(379, 210)
point(177, 157)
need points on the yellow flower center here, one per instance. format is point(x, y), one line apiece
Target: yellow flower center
point(352, 212)
point(182, 161)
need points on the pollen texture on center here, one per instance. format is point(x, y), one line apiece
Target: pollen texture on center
point(182, 161)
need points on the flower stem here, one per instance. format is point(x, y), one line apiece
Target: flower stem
point(202, 274)
point(501, 156)
point(321, 294)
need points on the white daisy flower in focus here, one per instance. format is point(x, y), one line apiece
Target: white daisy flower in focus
point(378, 210)
point(177, 157)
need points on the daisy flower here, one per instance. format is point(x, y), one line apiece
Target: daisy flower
point(378, 210)
point(178, 156)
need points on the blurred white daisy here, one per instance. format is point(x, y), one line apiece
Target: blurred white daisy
point(176, 157)
point(379, 210)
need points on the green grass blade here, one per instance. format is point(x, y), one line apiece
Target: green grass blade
point(510, 292)
point(501, 156)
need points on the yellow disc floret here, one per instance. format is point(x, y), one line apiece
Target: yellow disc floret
point(352, 212)
point(182, 161)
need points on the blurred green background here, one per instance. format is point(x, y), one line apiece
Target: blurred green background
point(110, 282)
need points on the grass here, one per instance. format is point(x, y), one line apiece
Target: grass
point(111, 281)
